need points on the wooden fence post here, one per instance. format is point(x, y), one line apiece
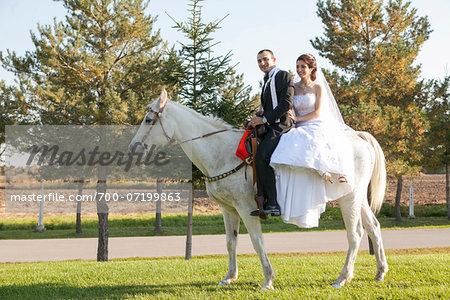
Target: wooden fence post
point(189, 223)
point(158, 221)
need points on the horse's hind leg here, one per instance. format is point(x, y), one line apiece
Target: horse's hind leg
point(372, 227)
point(351, 212)
point(231, 219)
point(253, 226)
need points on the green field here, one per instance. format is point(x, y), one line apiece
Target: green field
point(143, 225)
point(413, 274)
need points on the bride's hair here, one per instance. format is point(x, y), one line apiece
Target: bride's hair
point(310, 60)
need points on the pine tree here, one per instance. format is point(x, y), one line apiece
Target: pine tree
point(236, 103)
point(13, 110)
point(437, 154)
point(210, 85)
point(376, 82)
point(99, 67)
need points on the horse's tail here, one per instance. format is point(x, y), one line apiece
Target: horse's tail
point(377, 185)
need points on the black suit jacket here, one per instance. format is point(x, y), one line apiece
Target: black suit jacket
point(284, 85)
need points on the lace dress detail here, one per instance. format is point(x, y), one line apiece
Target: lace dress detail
point(315, 145)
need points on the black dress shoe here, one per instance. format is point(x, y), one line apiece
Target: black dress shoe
point(255, 213)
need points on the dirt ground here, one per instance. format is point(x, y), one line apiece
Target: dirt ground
point(428, 190)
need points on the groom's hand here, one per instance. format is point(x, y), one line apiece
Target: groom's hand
point(256, 121)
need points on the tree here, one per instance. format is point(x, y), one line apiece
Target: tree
point(99, 67)
point(437, 154)
point(209, 84)
point(376, 81)
point(236, 103)
point(13, 110)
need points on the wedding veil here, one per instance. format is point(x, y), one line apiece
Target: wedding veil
point(330, 109)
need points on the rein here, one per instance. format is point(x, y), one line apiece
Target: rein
point(205, 177)
point(203, 136)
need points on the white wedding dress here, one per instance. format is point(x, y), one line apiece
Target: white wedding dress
point(318, 144)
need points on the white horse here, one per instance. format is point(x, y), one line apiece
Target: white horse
point(214, 154)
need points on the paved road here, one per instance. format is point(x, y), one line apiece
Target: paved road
point(86, 248)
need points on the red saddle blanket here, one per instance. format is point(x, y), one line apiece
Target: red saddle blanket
point(241, 151)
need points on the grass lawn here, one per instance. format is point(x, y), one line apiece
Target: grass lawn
point(413, 274)
point(143, 225)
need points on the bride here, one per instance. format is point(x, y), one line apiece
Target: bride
point(313, 162)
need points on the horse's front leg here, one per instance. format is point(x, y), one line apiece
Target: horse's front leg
point(231, 219)
point(254, 230)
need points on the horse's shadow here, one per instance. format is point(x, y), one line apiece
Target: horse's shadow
point(63, 291)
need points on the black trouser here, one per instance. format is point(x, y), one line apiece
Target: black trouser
point(265, 175)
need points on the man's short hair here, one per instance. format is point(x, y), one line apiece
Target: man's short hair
point(266, 50)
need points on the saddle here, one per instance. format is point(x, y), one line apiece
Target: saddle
point(247, 148)
point(249, 143)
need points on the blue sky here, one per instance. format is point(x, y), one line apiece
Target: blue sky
point(285, 26)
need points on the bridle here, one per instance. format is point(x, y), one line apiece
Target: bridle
point(157, 117)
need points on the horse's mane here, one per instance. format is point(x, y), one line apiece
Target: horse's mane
point(213, 120)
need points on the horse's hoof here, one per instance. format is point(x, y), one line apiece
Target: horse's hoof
point(267, 287)
point(224, 282)
point(337, 285)
point(227, 281)
point(380, 277)
point(381, 272)
point(341, 282)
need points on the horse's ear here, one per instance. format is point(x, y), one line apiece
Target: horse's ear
point(163, 99)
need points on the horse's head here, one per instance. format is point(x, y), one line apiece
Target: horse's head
point(155, 129)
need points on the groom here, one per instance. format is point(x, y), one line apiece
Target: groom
point(276, 100)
